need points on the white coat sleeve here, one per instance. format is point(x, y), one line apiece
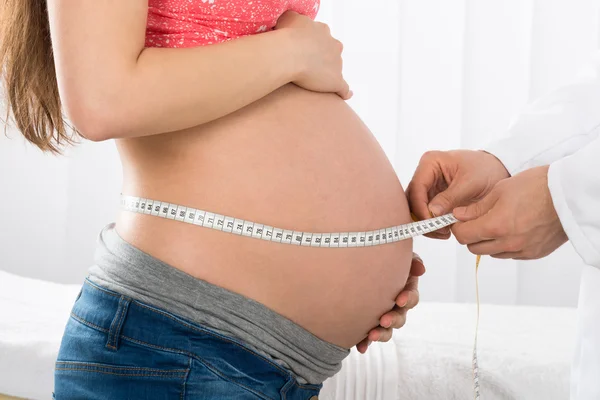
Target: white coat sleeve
point(574, 183)
point(554, 126)
point(562, 130)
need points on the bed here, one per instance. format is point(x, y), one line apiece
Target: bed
point(524, 352)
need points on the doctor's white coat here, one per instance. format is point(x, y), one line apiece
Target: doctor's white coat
point(562, 130)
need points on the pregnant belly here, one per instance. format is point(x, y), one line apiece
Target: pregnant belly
point(296, 160)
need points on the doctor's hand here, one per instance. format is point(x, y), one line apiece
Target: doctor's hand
point(395, 319)
point(515, 220)
point(445, 180)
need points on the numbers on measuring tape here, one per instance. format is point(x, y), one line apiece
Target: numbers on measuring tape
point(255, 230)
point(268, 233)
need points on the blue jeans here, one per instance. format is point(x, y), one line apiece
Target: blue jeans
point(117, 348)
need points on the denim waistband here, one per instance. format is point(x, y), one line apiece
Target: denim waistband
point(124, 318)
point(125, 269)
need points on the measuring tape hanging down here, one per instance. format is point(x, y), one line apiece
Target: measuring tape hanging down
point(255, 230)
point(475, 362)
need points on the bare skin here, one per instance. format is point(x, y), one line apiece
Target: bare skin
point(501, 216)
point(516, 220)
point(272, 142)
point(296, 160)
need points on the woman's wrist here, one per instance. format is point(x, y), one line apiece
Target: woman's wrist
point(290, 54)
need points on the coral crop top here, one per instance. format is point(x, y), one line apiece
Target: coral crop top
point(190, 23)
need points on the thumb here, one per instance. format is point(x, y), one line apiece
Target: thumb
point(446, 201)
point(476, 210)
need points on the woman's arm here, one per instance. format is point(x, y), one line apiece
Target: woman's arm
point(113, 87)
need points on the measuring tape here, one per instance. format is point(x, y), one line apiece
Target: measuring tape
point(255, 230)
point(475, 362)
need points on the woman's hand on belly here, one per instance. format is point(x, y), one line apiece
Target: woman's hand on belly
point(395, 319)
point(322, 71)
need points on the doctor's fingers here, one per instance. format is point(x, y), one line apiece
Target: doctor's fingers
point(507, 247)
point(511, 256)
point(488, 227)
point(478, 208)
point(417, 192)
point(426, 183)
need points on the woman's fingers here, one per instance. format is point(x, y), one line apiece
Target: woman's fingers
point(417, 267)
point(394, 319)
point(363, 346)
point(409, 297)
point(380, 334)
point(345, 93)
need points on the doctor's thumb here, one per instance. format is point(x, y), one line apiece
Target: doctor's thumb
point(474, 210)
point(446, 201)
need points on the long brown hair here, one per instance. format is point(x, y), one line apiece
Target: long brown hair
point(29, 76)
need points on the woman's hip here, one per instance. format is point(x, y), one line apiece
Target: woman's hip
point(117, 347)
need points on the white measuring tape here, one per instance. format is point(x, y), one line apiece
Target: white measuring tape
point(279, 235)
point(255, 230)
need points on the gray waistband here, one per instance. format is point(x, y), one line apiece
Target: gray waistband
point(121, 267)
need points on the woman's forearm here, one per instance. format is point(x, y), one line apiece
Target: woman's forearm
point(167, 90)
point(112, 86)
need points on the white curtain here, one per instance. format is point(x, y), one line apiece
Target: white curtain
point(427, 74)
